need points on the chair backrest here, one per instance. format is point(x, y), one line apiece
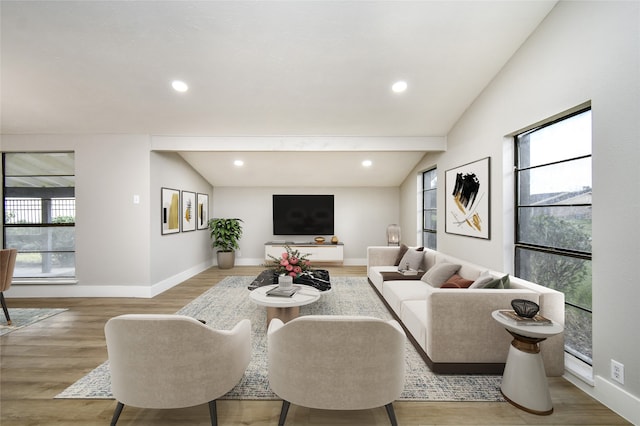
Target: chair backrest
point(337, 362)
point(7, 265)
point(174, 361)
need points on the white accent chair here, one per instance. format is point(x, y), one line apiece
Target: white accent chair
point(174, 361)
point(336, 362)
point(7, 265)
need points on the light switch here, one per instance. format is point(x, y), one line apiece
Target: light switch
point(136, 199)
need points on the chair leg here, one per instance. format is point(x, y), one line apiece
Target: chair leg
point(213, 412)
point(116, 413)
point(4, 308)
point(392, 414)
point(283, 412)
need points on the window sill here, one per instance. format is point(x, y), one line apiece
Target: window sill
point(44, 281)
point(578, 369)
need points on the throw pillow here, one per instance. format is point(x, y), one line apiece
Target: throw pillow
point(456, 281)
point(483, 279)
point(439, 273)
point(412, 259)
point(500, 283)
point(401, 253)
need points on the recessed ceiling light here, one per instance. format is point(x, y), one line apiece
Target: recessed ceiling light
point(399, 86)
point(367, 163)
point(179, 86)
point(238, 163)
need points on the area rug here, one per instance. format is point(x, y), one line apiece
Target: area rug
point(24, 317)
point(226, 303)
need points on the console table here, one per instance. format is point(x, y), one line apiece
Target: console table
point(318, 253)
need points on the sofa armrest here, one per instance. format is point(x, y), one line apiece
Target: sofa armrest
point(460, 327)
point(381, 256)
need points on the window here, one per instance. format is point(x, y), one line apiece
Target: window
point(40, 212)
point(429, 208)
point(553, 219)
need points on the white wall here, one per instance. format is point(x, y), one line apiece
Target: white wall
point(361, 218)
point(583, 51)
point(175, 257)
point(119, 251)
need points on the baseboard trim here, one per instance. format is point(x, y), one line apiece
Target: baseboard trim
point(79, 290)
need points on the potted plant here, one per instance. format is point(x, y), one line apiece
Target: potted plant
point(225, 234)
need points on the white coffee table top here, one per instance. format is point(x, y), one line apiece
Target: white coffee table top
point(304, 296)
point(534, 331)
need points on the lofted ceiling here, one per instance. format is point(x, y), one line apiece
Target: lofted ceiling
point(302, 69)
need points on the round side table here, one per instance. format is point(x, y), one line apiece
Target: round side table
point(524, 381)
point(284, 308)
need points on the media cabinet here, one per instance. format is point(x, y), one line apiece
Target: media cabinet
point(318, 253)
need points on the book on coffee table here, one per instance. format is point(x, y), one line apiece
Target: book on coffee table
point(518, 320)
point(281, 292)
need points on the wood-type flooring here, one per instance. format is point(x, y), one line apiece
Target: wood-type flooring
point(40, 361)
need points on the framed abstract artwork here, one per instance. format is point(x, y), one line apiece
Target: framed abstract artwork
point(467, 189)
point(170, 211)
point(202, 212)
point(188, 211)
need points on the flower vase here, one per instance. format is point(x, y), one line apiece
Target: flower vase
point(285, 282)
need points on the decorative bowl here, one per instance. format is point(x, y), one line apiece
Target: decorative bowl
point(525, 308)
point(319, 240)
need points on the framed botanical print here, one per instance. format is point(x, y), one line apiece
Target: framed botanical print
point(188, 211)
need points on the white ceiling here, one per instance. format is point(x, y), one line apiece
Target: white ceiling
point(257, 68)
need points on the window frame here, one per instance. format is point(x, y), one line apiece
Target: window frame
point(539, 248)
point(425, 230)
point(47, 197)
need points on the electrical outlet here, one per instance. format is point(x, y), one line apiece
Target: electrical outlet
point(617, 371)
point(238, 253)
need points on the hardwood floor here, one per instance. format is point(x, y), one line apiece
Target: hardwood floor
point(40, 361)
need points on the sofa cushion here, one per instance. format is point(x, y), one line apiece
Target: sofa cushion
point(396, 292)
point(456, 281)
point(401, 253)
point(399, 276)
point(412, 258)
point(482, 280)
point(499, 283)
point(440, 273)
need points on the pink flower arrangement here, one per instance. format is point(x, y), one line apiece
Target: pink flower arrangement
point(291, 262)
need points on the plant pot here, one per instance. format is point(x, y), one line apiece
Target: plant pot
point(226, 259)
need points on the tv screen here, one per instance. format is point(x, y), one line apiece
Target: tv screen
point(302, 214)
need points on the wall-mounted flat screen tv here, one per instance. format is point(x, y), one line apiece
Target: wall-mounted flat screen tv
point(302, 214)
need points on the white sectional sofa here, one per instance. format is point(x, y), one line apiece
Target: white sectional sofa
point(452, 327)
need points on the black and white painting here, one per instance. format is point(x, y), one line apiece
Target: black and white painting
point(467, 199)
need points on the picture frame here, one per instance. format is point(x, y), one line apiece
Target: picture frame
point(467, 199)
point(188, 211)
point(202, 211)
point(169, 211)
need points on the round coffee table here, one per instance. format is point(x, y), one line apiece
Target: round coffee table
point(284, 308)
point(524, 381)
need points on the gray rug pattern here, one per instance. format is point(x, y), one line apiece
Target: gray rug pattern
point(24, 317)
point(226, 303)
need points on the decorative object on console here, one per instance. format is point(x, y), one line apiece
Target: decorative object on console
point(334, 240)
point(225, 234)
point(393, 235)
point(291, 262)
point(525, 308)
point(319, 240)
point(467, 199)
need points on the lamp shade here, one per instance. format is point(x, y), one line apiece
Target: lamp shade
point(393, 235)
